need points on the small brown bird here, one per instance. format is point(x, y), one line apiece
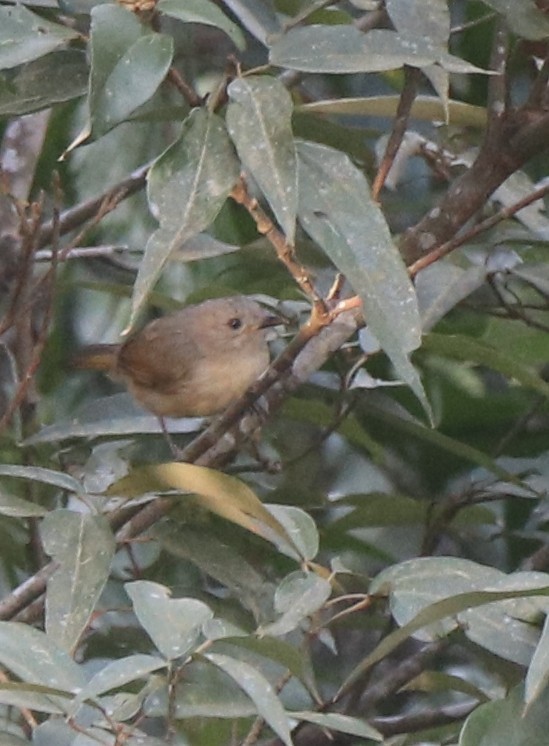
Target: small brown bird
point(194, 362)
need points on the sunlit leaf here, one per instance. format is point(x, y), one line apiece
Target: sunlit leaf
point(427, 108)
point(226, 496)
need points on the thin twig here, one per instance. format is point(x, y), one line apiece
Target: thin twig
point(405, 103)
point(503, 214)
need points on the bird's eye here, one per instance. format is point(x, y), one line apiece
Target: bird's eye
point(235, 323)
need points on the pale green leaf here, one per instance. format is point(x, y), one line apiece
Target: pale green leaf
point(187, 187)
point(173, 624)
point(338, 212)
point(259, 690)
point(259, 122)
point(82, 546)
point(202, 11)
point(25, 36)
point(297, 597)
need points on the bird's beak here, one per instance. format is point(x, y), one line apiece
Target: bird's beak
point(271, 320)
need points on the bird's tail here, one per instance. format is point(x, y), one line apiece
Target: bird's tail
point(96, 357)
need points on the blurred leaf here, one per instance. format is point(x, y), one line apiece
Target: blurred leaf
point(259, 18)
point(342, 723)
point(426, 108)
point(442, 286)
point(525, 19)
point(54, 78)
point(430, 18)
point(201, 11)
point(395, 415)
point(34, 658)
point(111, 415)
point(187, 187)
point(345, 49)
point(461, 347)
point(259, 122)
point(258, 690)
point(220, 561)
point(297, 597)
point(83, 547)
point(173, 624)
point(39, 474)
point(34, 697)
point(435, 681)
point(25, 36)
point(226, 496)
point(505, 721)
point(537, 676)
point(127, 66)
point(18, 508)
point(336, 209)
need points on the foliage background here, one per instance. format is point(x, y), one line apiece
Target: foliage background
point(388, 582)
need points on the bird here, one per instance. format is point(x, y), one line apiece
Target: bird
point(194, 362)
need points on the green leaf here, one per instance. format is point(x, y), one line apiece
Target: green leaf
point(297, 661)
point(460, 347)
point(537, 676)
point(187, 187)
point(201, 11)
point(259, 122)
point(442, 286)
point(82, 546)
point(258, 689)
point(341, 723)
point(25, 36)
point(297, 597)
point(173, 624)
point(337, 211)
point(52, 79)
point(506, 722)
point(524, 19)
point(35, 697)
point(118, 414)
point(300, 526)
point(39, 474)
point(18, 508)
point(118, 673)
point(128, 66)
point(260, 19)
point(345, 49)
point(36, 659)
point(433, 613)
point(219, 560)
point(421, 18)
